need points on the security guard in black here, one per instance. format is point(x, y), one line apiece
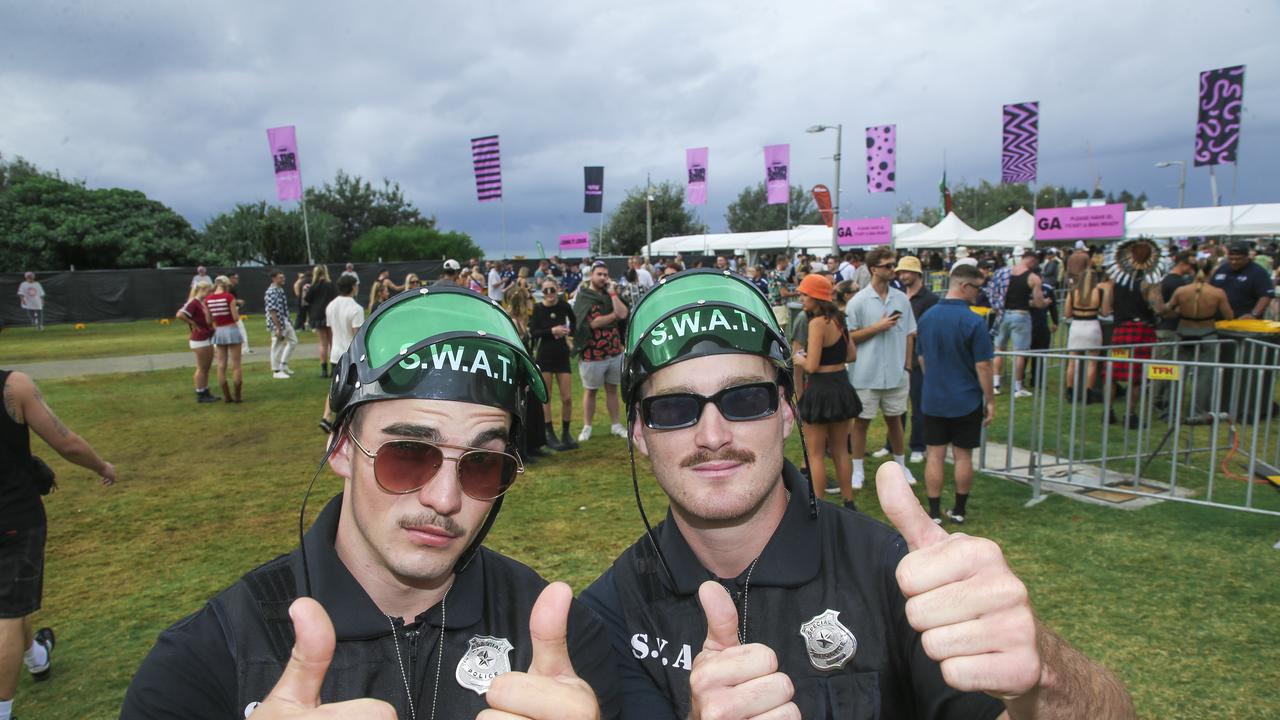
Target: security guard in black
point(822, 595)
point(223, 660)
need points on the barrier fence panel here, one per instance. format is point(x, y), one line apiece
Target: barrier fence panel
point(1191, 421)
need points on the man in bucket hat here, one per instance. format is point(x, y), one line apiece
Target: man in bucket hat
point(391, 606)
point(753, 600)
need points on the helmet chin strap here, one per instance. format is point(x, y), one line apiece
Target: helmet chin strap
point(635, 486)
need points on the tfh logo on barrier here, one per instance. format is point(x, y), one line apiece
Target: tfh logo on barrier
point(1164, 372)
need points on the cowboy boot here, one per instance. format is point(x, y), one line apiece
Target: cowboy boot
point(226, 393)
point(238, 392)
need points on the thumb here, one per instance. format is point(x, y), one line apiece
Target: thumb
point(548, 630)
point(903, 509)
point(313, 644)
point(722, 616)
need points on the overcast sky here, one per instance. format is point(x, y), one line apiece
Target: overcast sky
point(174, 98)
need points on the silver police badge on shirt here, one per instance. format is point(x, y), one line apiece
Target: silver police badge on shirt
point(485, 659)
point(830, 644)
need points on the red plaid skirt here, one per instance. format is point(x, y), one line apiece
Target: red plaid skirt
point(1131, 332)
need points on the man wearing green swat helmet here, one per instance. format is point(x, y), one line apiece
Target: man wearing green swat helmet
point(391, 606)
point(753, 600)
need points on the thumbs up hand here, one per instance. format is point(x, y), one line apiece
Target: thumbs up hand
point(550, 690)
point(296, 695)
point(972, 612)
point(730, 680)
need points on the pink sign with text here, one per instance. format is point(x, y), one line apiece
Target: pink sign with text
point(865, 231)
point(1080, 223)
point(284, 154)
point(575, 242)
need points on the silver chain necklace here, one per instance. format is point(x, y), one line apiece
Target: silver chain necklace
point(404, 677)
point(746, 590)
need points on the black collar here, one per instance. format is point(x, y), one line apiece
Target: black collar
point(353, 612)
point(790, 559)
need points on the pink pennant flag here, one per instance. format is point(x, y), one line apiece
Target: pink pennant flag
point(777, 158)
point(284, 152)
point(695, 162)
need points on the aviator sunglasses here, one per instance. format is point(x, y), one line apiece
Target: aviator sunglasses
point(405, 466)
point(737, 403)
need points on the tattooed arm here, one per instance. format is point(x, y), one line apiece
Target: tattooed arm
point(25, 404)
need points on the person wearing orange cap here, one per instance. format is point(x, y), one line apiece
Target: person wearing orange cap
point(828, 402)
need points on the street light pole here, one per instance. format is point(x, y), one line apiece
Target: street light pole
point(835, 202)
point(1182, 177)
point(648, 217)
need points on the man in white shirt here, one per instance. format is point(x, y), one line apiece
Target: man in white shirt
point(644, 278)
point(495, 283)
point(344, 317)
point(31, 295)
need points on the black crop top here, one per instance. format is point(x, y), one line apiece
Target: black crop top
point(836, 352)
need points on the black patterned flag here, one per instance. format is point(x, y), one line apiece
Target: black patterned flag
point(1021, 142)
point(488, 165)
point(882, 163)
point(1218, 125)
point(593, 189)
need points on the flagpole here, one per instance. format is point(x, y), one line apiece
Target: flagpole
point(306, 227)
point(502, 209)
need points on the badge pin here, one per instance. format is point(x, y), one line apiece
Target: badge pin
point(486, 658)
point(830, 644)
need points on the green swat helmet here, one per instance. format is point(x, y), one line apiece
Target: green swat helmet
point(440, 343)
point(696, 313)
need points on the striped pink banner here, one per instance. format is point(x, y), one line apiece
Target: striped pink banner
point(488, 166)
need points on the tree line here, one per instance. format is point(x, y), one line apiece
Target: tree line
point(48, 222)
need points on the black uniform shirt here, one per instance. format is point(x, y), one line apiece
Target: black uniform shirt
point(216, 663)
point(824, 578)
point(1244, 288)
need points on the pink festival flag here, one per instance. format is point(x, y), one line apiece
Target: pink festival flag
point(284, 152)
point(695, 162)
point(865, 232)
point(776, 160)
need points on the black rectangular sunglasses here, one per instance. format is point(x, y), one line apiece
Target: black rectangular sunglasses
point(738, 403)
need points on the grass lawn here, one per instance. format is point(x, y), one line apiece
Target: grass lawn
point(112, 339)
point(1180, 601)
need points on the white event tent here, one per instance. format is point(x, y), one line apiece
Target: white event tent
point(1233, 220)
point(1017, 230)
point(802, 236)
point(949, 232)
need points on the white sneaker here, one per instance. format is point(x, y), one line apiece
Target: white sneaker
point(917, 457)
point(286, 369)
point(1024, 393)
point(996, 391)
point(880, 453)
point(585, 434)
point(618, 430)
point(911, 479)
point(280, 375)
point(858, 481)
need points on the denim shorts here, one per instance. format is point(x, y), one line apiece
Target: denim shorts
point(1015, 326)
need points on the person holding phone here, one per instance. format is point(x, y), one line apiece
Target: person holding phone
point(883, 326)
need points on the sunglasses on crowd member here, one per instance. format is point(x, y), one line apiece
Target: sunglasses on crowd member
point(737, 403)
point(886, 266)
point(401, 467)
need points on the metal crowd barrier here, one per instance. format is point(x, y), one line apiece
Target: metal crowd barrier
point(1197, 424)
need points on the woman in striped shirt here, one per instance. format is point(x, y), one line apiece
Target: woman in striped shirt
point(226, 335)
